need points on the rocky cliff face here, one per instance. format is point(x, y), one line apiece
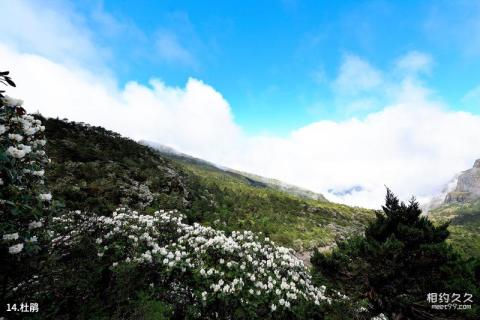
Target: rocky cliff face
point(468, 186)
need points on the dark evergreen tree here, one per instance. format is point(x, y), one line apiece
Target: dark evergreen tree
point(400, 260)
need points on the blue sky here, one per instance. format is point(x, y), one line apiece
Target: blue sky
point(275, 61)
point(327, 95)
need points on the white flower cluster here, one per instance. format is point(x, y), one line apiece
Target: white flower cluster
point(22, 139)
point(241, 264)
point(34, 224)
point(24, 128)
point(10, 236)
point(136, 194)
point(14, 136)
point(69, 227)
point(45, 196)
point(16, 248)
point(19, 151)
point(11, 102)
point(29, 124)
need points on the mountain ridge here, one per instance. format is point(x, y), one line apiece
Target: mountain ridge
point(253, 178)
point(468, 186)
point(94, 169)
point(460, 207)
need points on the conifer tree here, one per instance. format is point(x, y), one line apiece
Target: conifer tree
point(401, 258)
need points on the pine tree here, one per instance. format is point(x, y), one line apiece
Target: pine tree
point(400, 260)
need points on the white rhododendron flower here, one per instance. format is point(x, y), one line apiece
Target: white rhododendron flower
point(39, 173)
point(34, 224)
point(16, 137)
point(240, 263)
point(16, 248)
point(40, 142)
point(21, 139)
point(16, 153)
point(45, 196)
point(12, 102)
point(10, 236)
point(29, 131)
point(32, 239)
point(27, 149)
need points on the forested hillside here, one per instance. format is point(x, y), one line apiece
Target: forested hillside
point(97, 170)
point(464, 219)
point(119, 231)
point(460, 206)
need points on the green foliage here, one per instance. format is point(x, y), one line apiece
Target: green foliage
point(136, 266)
point(6, 80)
point(154, 265)
point(149, 308)
point(402, 257)
point(286, 218)
point(464, 222)
point(96, 170)
point(25, 204)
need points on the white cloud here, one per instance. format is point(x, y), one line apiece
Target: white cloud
point(52, 30)
point(414, 147)
point(472, 96)
point(359, 87)
point(415, 62)
point(196, 118)
point(414, 144)
point(356, 76)
point(171, 50)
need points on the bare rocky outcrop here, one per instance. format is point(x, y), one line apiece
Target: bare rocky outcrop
point(468, 186)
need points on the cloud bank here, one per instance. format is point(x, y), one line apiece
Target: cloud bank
point(413, 143)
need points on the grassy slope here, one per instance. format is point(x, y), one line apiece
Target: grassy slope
point(95, 169)
point(464, 225)
point(288, 219)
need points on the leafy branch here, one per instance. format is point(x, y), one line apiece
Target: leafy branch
point(6, 80)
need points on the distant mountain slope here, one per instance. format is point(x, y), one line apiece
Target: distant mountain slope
point(464, 225)
point(439, 199)
point(461, 206)
point(468, 186)
point(94, 169)
point(254, 180)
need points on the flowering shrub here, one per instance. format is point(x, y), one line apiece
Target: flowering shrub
point(23, 196)
point(200, 271)
point(24, 201)
point(142, 263)
point(136, 194)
